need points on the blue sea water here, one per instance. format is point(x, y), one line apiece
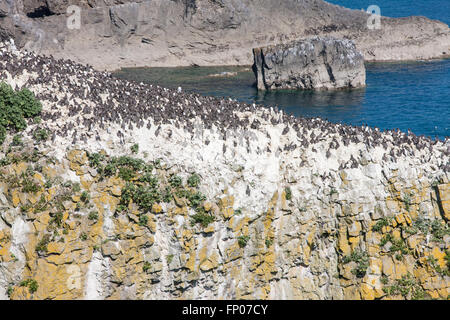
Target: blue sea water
point(409, 95)
point(433, 9)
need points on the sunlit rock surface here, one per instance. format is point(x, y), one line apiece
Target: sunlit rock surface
point(318, 63)
point(267, 206)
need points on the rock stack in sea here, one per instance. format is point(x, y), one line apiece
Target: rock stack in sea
point(143, 192)
point(317, 63)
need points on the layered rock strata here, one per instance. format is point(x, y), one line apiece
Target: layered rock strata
point(219, 199)
point(203, 32)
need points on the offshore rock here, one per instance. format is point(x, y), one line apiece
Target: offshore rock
point(318, 63)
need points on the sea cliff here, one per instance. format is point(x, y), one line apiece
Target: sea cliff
point(122, 190)
point(114, 34)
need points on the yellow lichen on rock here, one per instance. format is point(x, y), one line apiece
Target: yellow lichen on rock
point(360, 250)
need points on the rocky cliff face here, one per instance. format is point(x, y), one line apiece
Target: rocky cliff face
point(182, 32)
point(317, 63)
point(218, 200)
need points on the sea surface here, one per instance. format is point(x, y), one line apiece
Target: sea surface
point(410, 95)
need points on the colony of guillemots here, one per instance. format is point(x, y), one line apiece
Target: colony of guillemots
point(290, 202)
point(79, 102)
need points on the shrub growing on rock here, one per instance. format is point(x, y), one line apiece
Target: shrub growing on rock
point(135, 148)
point(95, 159)
point(242, 241)
point(31, 284)
point(40, 135)
point(288, 193)
point(93, 215)
point(147, 266)
point(143, 220)
point(175, 181)
point(15, 107)
point(194, 180)
point(362, 262)
point(202, 217)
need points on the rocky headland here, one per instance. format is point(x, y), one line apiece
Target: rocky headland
point(317, 63)
point(123, 190)
point(115, 34)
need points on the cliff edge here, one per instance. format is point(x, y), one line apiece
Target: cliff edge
point(122, 190)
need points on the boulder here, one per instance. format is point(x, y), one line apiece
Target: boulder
point(317, 63)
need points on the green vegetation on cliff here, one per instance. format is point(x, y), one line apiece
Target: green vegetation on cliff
point(394, 256)
point(15, 108)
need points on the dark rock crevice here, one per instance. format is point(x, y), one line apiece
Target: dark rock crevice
point(40, 12)
point(328, 67)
